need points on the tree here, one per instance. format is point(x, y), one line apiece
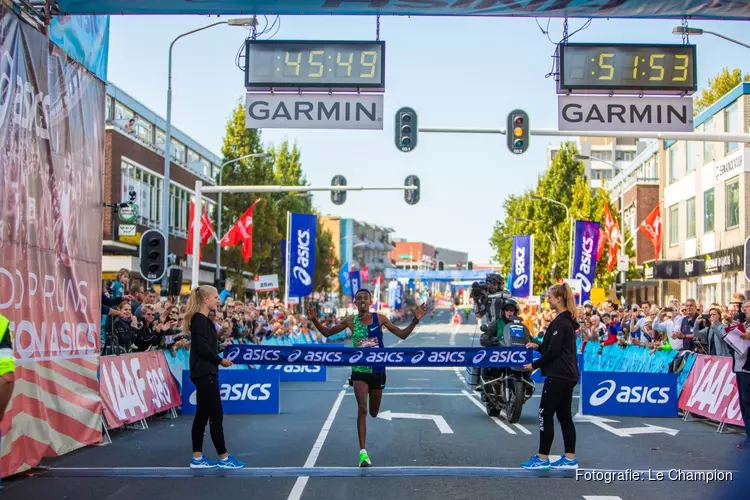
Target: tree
point(565, 182)
point(719, 86)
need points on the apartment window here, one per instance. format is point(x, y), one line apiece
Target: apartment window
point(179, 151)
point(602, 155)
point(673, 164)
point(690, 214)
point(144, 129)
point(206, 168)
point(109, 112)
point(148, 188)
point(732, 126)
point(690, 156)
point(161, 138)
point(674, 227)
point(623, 156)
point(193, 157)
point(708, 211)
point(733, 203)
point(122, 112)
point(179, 200)
point(708, 147)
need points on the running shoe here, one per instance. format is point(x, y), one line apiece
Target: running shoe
point(565, 463)
point(537, 463)
point(202, 463)
point(230, 463)
point(364, 459)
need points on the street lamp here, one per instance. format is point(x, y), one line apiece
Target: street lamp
point(220, 207)
point(567, 215)
point(683, 30)
point(242, 21)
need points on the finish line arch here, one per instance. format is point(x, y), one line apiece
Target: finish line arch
point(636, 9)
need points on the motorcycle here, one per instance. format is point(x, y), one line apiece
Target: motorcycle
point(505, 389)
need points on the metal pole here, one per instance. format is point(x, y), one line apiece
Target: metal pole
point(167, 149)
point(570, 244)
point(286, 252)
point(299, 189)
point(197, 234)
point(665, 136)
point(727, 38)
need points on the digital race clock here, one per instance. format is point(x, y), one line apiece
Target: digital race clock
point(317, 64)
point(632, 68)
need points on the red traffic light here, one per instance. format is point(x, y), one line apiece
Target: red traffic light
point(518, 121)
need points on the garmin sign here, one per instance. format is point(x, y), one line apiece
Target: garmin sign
point(316, 111)
point(625, 114)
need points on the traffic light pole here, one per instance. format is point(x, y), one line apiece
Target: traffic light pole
point(200, 190)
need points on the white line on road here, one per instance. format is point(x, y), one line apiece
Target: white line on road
point(600, 497)
point(499, 422)
point(418, 379)
point(422, 368)
point(417, 394)
point(299, 485)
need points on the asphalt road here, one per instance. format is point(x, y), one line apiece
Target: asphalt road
point(316, 430)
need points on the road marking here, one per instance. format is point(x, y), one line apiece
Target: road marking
point(600, 497)
point(418, 379)
point(603, 423)
point(499, 422)
point(442, 425)
point(299, 485)
point(418, 394)
point(452, 340)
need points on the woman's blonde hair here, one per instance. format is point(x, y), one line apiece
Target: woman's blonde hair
point(563, 292)
point(194, 303)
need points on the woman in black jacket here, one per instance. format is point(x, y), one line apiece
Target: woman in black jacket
point(559, 364)
point(204, 373)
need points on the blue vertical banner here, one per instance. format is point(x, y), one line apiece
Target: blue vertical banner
point(400, 296)
point(356, 282)
point(302, 231)
point(345, 280)
point(584, 255)
point(522, 266)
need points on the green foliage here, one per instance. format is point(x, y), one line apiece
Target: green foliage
point(718, 86)
point(283, 167)
point(564, 182)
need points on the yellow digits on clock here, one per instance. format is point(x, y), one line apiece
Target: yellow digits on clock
point(316, 64)
point(347, 64)
point(606, 66)
point(651, 61)
point(373, 56)
point(682, 67)
point(294, 64)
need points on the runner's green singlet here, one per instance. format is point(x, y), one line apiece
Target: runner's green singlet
point(367, 336)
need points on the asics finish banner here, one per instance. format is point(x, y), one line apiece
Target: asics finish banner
point(501, 357)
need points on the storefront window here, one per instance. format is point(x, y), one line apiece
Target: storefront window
point(708, 211)
point(733, 203)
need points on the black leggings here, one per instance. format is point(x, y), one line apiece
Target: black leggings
point(208, 409)
point(557, 398)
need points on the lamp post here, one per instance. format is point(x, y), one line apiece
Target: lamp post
point(243, 21)
point(219, 208)
point(683, 30)
point(567, 216)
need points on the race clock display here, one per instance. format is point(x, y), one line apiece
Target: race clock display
point(663, 69)
point(328, 64)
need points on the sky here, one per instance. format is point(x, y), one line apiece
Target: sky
point(454, 71)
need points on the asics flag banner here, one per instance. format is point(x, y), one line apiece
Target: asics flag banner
point(301, 258)
point(350, 356)
point(584, 255)
point(621, 394)
point(522, 266)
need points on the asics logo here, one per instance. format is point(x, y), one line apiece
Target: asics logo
point(627, 394)
point(294, 356)
point(478, 357)
point(356, 357)
point(232, 353)
point(417, 357)
point(602, 395)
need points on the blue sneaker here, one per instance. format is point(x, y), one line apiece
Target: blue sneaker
point(537, 463)
point(565, 463)
point(202, 463)
point(230, 463)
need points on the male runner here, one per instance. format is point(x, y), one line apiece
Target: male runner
point(366, 329)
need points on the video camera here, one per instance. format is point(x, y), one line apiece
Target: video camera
point(490, 297)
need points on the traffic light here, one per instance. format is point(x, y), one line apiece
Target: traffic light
point(518, 131)
point(412, 195)
point(338, 197)
point(440, 265)
point(470, 266)
point(153, 255)
point(620, 289)
point(406, 129)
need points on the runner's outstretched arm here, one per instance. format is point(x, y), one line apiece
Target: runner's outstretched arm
point(312, 315)
point(419, 313)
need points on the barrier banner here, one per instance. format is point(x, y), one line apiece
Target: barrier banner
point(135, 386)
point(711, 390)
point(51, 194)
point(243, 392)
point(350, 356)
point(299, 373)
point(629, 394)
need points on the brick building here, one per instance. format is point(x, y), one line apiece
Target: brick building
point(134, 161)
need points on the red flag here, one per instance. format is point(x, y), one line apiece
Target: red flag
point(602, 242)
point(614, 235)
point(242, 231)
point(651, 227)
point(207, 229)
point(365, 274)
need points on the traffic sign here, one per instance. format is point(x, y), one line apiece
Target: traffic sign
point(129, 213)
point(625, 114)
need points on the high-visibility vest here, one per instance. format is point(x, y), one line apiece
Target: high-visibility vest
point(4, 329)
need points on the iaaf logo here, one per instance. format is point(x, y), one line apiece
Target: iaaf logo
point(303, 257)
point(239, 392)
point(626, 394)
point(521, 277)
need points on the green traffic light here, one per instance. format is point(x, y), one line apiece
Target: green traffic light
point(405, 141)
point(518, 143)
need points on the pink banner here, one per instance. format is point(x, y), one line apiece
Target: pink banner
point(136, 386)
point(711, 390)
